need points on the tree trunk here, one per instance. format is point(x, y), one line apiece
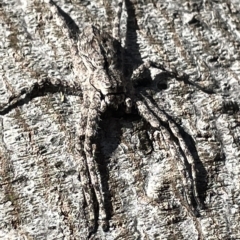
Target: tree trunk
point(154, 187)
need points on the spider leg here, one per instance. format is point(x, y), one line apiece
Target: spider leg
point(189, 158)
point(39, 88)
point(155, 116)
point(146, 114)
point(163, 136)
point(70, 31)
point(83, 169)
point(146, 65)
point(116, 24)
point(90, 150)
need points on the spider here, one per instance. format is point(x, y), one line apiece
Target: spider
point(104, 84)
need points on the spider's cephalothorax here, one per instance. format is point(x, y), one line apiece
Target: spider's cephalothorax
point(97, 65)
point(101, 61)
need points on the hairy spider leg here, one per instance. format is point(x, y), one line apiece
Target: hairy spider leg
point(163, 136)
point(145, 110)
point(44, 84)
point(83, 166)
point(93, 118)
point(149, 63)
point(116, 24)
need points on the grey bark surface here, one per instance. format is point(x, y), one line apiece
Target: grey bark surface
point(146, 196)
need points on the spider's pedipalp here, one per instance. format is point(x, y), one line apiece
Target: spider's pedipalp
point(113, 100)
point(103, 106)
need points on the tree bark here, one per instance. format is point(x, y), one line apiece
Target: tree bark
point(146, 185)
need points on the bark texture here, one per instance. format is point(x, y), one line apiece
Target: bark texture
point(145, 184)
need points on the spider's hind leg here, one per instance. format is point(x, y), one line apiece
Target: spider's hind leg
point(155, 117)
point(83, 168)
point(162, 136)
point(189, 159)
point(94, 114)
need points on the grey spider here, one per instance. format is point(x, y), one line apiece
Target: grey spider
point(97, 61)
